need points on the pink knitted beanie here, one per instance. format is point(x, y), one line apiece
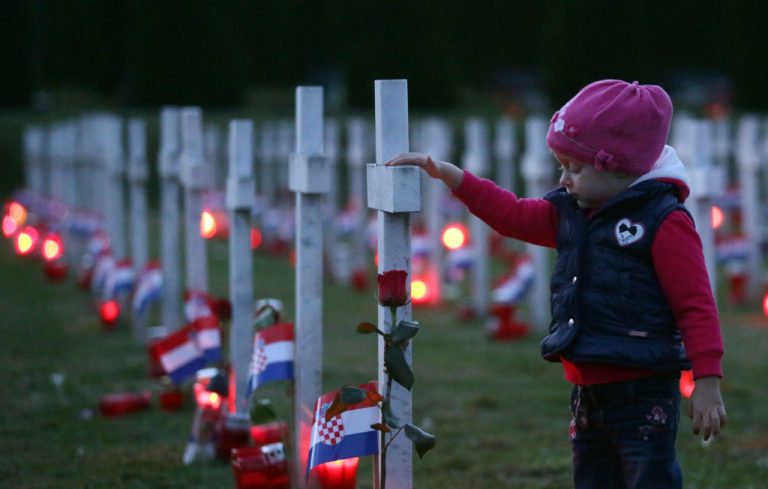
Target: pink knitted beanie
point(615, 125)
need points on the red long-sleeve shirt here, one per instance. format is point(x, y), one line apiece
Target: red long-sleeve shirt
point(678, 261)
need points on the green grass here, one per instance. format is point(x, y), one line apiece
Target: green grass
point(499, 411)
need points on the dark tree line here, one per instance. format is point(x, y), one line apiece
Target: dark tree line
point(212, 52)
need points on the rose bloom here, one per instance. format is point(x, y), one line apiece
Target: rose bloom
point(392, 288)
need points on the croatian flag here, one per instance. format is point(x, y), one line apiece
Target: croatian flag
point(148, 289)
point(103, 266)
point(207, 335)
point(272, 356)
point(197, 304)
point(513, 286)
point(179, 355)
point(345, 435)
point(120, 279)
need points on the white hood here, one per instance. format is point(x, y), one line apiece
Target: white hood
point(669, 168)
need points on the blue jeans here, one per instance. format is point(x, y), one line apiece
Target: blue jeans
point(623, 434)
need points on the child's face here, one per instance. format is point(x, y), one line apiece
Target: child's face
point(590, 187)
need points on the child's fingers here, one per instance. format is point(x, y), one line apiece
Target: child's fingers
point(716, 420)
point(706, 425)
point(406, 159)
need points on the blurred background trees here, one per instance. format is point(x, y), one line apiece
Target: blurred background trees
point(526, 55)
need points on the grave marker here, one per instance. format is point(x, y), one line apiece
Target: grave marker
point(475, 159)
point(138, 172)
point(34, 141)
point(170, 216)
point(437, 143)
point(394, 193)
point(505, 146)
point(195, 177)
point(309, 179)
point(537, 172)
point(707, 182)
point(114, 170)
point(358, 146)
point(748, 160)
point(240, 196)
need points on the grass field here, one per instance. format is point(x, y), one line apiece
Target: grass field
point(499, 411)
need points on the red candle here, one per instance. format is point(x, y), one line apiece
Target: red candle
point(109, 311)
point(121, 403)
point(254, 468)
point(208, 402)
point(231, 432)
point(686, 383)
point(264, 434)
point(339, 474)
point(171, 399)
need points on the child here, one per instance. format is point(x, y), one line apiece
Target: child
point(631, 299)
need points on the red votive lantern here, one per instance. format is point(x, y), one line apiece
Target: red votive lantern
point(55, 270)
point(454, 236)
point(109, 311)
point(52, 247)
point(171, 398)
point(765, 304)
point(260, 467)
point(10, 226)
point(256, 238)
point(264, 434)
point(26, 241)
point(360, 279)
point(232, 432)
point(687, 383)
point(208, 402)
point(339, 474)
point(155, 334)
point(122, 403)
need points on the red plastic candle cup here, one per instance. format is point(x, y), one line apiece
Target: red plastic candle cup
point(55, 271)
point(109, 312)
point(171, 399)
point(260, 467)
point(232, 432)
point(339, 474)
point(264, 434)
point(122, 403)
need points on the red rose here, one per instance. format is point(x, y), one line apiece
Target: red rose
point(392, 288)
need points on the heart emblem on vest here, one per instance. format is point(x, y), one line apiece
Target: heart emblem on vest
point(628, 232)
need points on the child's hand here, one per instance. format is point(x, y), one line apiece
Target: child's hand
point(423, 161)
point(706, 407)
point(447, 172)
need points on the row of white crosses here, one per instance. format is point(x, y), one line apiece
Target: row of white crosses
point(705, 147)
point(89, 152)
point(392, 191)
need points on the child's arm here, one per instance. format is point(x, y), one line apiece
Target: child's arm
point(706, 407)
point(449, 173)
point(679, 263)
point(530, 220)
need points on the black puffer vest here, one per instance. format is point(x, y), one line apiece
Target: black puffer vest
point(607, 304)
